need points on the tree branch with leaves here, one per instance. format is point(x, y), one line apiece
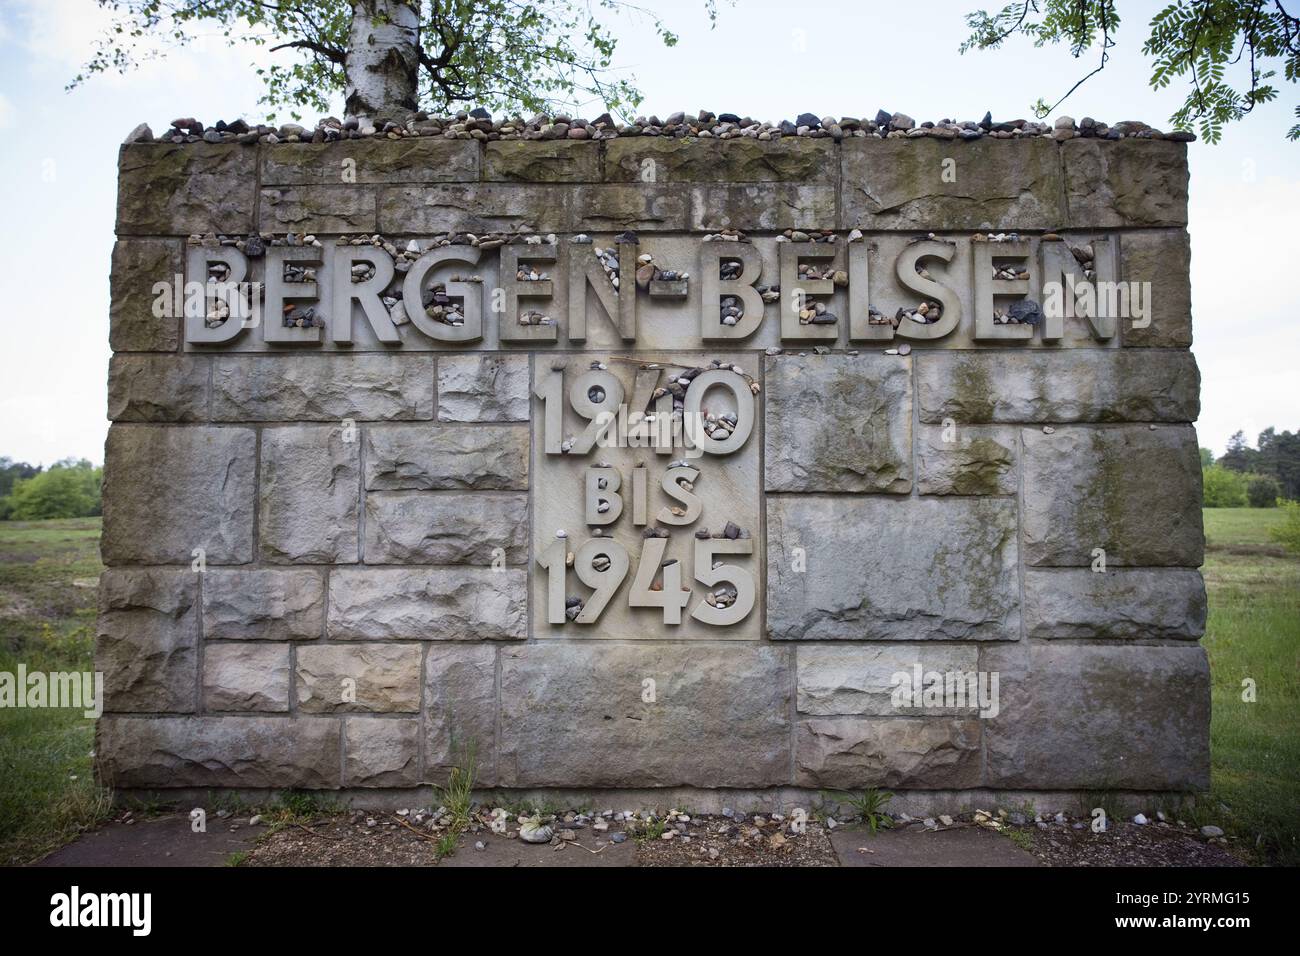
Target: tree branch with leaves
point(1227, 52)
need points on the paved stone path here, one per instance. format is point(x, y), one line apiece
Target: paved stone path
point(167, 840)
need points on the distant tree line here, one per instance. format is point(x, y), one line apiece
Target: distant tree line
point(1257, 476)
point(70, 488)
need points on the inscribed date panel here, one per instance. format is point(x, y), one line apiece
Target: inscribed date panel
point(610, 455)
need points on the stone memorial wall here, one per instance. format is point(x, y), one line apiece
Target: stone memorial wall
point(688, 463)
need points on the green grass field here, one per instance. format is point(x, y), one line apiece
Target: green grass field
point(48, 572)
point(47, 614)
point(1254, 633)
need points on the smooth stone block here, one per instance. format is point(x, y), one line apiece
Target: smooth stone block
point(1161, 257)
point(358, 678)
point(424, 159)
point(838, 423)
point(169, 491)
point(862, 680)
point(1134, 492)
point(720, 717)
point(1078, 385)
point(999, 185)
point(246, 677)
point(1113, 717)
point(1119, 603)
point(137, 265)
point(381, 752)
point(460, 711)
point(889, 570)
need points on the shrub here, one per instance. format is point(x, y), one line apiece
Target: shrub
point(1224, 488)
point(69, 489)
point(1288, 532)
point(1263, 491)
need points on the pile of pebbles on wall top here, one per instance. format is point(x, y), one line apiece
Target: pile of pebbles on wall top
point(479, 124)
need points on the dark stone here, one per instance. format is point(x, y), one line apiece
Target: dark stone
point(809, 119)
point(1026, 311)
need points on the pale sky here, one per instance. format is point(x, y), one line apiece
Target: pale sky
point(767, 58)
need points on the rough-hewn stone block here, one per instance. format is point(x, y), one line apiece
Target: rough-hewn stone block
point(310, 494)
point(1125, 183)
point(424, 159)
point(157, 388)
point(860, 680)
point(381, 752)
point(613, 207)
point(318, 209)
point(137, 265)
point(406, 528)
point(263, 604)
point(1136, 603)
point(1114, 717)
point(976, 461)
point(772, 206)
point(1133, 491)
point(460, 711)
point(798, 160)
point(147, 639)
point(419, 458)
point(358, 678)
point(486, 387)
point(922, 752)
point(260, 752)
point(166, 189)
point(720, 715)
point(451, 604)
point(374, 387)
point(246, 677)
point(168, 491)
point(1078, 385)
point(892, 569)
point(1161, 257)
point(838, 423)
point(1000, 184)
point(542, 161)
point(485, 207)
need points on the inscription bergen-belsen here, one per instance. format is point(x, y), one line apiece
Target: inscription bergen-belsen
point(994, 289)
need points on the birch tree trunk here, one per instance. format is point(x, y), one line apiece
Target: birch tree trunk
point(383, 59)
